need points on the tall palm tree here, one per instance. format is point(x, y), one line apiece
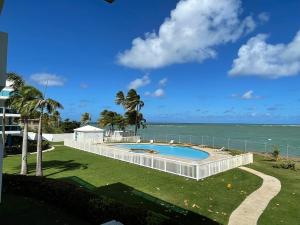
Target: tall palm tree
point(85, 118)
point(24, 102)
point(56, 117)
point(50, 106)
point(109, 118)
point(132, 102)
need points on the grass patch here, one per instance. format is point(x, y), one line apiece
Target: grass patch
point(284, 208)
point(143, 187)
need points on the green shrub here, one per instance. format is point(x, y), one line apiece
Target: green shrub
point(78, 201)
point(16, 147)
point(286, 165)
point(276, 152)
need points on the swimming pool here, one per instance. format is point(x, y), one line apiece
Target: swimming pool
point(169, 150)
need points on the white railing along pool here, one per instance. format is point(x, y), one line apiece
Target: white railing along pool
point(195, 170)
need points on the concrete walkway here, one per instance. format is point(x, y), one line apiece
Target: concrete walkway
point(253, 206)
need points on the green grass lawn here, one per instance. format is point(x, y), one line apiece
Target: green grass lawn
point(284, 208)
point(139, 186)
point(16, 210)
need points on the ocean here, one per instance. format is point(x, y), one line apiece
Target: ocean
point(249, 137)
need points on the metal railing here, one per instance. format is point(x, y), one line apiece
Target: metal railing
point(286, 150)
point(193, 170)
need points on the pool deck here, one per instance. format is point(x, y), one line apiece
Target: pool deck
point(214, 154)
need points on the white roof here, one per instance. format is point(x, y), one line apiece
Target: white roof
point(88, 128)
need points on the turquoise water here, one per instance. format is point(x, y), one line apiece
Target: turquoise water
point(168, 150)
point(259, 138)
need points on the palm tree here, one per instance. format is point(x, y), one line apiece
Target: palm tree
point(132, 102)
point(50, 106)
point(109, 118)
point(56, 117)
point(85, 118)
point(24, 102)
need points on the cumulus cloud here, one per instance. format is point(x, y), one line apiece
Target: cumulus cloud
point(163, 82)
point(264, 17)
point(258, 58)
point(48, 79)
point(139, 82)
point(190, 34)
point(157, 93)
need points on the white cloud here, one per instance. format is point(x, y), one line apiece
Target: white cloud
point(157, 93)
point(163, 82)
point(258, 58)
point(48, 79)
point(246, 96)
point(264, 17)
point(139, 82)
point(190, 34)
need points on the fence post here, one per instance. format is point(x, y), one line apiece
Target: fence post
point(190, 139)
point(202, 140)
point(228, 140)
point(213, 142)
point(287, 151)
point(179, 139)
point(152, 162)
point(165, 165)
point(245, 145)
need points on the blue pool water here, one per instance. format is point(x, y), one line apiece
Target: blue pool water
point(168, 150)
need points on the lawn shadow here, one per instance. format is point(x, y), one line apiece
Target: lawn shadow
point(131, 196)
point(59, 165)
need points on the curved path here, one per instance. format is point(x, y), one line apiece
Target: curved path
point(253, 206)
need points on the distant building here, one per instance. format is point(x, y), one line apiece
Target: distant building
point(12, 118)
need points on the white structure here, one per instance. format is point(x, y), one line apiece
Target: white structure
point(51, 137)
point(12, 126)
point(89, 133)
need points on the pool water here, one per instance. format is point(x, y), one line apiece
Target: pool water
point(169, 150)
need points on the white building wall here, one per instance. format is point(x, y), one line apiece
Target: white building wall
point(51, 137)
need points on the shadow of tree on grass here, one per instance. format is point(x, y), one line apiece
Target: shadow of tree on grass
point(57, 166)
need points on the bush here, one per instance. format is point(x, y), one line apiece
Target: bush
point(286, 165)
point(78, 201)
point(276, 152)
point(16, 148)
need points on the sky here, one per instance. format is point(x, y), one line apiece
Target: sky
point(192, 61)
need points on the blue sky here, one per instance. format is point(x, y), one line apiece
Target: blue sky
point(207, 61)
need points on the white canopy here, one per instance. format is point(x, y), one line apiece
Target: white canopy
point(88, 129)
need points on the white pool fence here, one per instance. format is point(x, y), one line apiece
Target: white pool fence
point(193, 170)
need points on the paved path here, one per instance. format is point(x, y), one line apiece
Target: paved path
point(253, 206)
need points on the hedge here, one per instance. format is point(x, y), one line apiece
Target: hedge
point(81, 202)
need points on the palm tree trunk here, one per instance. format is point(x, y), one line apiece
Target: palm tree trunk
point(24, 148)
point(3, 132)
point(136, 121)
point(39, 171)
